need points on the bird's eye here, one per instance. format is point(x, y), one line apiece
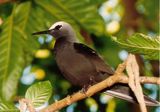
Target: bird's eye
point(58, 27)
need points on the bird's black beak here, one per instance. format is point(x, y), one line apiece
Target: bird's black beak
point(42, 32)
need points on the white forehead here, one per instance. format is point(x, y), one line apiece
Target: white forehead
point(64, 24)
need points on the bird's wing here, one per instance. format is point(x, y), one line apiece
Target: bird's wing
point(93, 56)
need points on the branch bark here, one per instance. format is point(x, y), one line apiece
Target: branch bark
point(132, 69)
point(118, 77)
point(26, 104)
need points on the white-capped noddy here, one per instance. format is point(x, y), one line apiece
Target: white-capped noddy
point(82, 66)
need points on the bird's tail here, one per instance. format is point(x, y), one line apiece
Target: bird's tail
point(125, 93)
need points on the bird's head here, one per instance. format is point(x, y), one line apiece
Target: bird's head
point(58, 30)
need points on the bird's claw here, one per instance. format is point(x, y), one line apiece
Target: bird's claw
point(85, 88)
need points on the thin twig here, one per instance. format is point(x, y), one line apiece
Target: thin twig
point(26, 104)
point(151, 80)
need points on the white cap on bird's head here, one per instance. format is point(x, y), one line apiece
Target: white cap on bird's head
point(60, 29)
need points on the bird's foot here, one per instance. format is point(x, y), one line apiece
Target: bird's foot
point(85, 88)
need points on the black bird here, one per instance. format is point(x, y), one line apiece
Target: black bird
point(82, 66)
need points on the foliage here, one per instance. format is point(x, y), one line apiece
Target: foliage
point(39, 93)
point(18, 47)
point(142, 44)
point(11, 60)
point(76, 13)
point(23, 21)
point(7, 107)
point(14, 44)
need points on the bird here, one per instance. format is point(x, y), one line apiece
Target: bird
point(82, 66)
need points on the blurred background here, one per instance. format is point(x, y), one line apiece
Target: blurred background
point(95, 21)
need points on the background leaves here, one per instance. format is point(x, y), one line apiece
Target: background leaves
point(142, 44)
point(11, 60)
point(39, 93)
point(76, 13)
point(7, 107)
point(20, 67)
point(19, 45)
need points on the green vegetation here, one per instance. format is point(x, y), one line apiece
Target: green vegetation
point(26, 62)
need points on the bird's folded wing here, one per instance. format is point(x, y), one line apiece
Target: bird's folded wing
point(92, 55)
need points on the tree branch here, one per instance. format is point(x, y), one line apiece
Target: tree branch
point(132, 69)
point(118, 77)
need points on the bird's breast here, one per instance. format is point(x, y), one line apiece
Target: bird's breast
point(73, 65)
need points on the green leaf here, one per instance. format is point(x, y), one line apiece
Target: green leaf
point(11, 59)
point(142, 44)
point(39, 93)
point(97, 2)
point(17, 47)
point(26, 23)
point(7, 107)
point(82, 13)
